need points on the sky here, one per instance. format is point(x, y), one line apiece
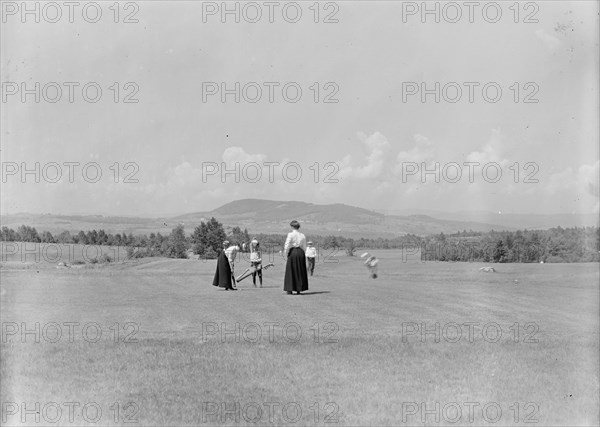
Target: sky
point(514, 129)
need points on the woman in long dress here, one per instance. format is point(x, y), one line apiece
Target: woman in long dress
point(223, 274)
point(296, 279)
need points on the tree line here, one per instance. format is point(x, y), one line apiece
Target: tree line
point(206, 240)
point(577, 244)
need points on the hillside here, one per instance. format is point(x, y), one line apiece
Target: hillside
point(508, 220)
point(263, 216)
point(275, 211)
point(270, 216)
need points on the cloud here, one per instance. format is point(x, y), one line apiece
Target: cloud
point(377, 148)
point(184, 174)
point(579, 186)
point(233, 155)
point(423, 151)
point(551, 42)
point(491, 151)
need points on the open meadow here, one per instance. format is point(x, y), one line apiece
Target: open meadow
point(433, 343)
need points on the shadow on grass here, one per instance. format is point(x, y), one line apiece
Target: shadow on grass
point(315, 293)
point(259, 287)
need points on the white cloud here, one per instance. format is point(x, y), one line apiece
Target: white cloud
point(377, 148)
point(579, 186)
point(233, 155)
point(491, 151)
point(423, 151)
point(551, 42)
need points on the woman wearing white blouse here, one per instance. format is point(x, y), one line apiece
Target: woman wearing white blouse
point(296, 279)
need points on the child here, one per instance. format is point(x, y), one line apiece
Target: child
point(256, 267)
point(311, 255)
point(255, 261)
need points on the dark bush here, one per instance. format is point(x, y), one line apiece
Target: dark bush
point(105, 258)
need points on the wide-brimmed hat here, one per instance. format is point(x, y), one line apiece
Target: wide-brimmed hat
point(226, 242)
point(309, 243)
point(254, 242)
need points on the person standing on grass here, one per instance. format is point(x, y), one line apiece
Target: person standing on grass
point(231, 253)
point(311, 255)
point(256, 261)
point(296, 279)
point(224, 273)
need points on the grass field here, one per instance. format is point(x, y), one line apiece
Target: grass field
point(176, 351)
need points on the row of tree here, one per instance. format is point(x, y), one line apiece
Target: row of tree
point(553, 245)
point(206, 239)
point(26, 233)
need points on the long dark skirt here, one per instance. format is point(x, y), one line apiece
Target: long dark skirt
point(296, 279)
point(222, 277)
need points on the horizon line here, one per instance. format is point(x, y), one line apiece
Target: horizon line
point(384, 211)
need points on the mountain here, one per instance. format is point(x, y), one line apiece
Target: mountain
point(272, 210)
point(271, 216)
point(511, 220)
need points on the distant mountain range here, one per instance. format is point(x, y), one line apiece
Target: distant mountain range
point(270, 216)
point(267, 211)
point(517, 221)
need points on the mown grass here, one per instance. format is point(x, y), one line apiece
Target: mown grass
point(363, 368)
